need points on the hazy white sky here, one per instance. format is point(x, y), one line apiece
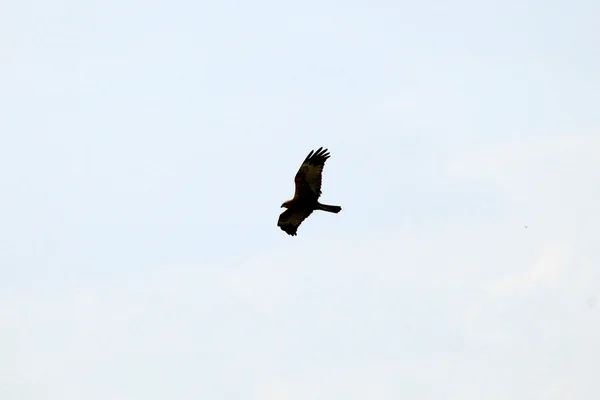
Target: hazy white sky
point(145, 149)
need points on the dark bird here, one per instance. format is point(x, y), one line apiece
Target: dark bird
point(308, 191)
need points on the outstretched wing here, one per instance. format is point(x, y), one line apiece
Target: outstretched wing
point(308, 177)
point(290, 220)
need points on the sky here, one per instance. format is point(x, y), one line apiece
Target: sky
point(146, 148)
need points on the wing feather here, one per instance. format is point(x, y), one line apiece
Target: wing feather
point(290, 220)
point(309, 177)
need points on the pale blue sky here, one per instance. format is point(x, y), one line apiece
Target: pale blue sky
point(145, 150)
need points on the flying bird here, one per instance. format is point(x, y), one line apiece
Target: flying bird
point(308, 191)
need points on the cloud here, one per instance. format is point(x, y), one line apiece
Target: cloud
point(546, 272)
point(505, 160)
point(355, 317)
point(565, 389)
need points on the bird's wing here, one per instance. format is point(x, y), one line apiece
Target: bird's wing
point(308, 177)
point(290, 220)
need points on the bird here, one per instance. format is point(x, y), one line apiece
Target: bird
point(307, 193)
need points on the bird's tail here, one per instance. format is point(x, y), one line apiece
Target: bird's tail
point(328, 208)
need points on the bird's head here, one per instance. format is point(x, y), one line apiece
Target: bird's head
point(286, 204)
